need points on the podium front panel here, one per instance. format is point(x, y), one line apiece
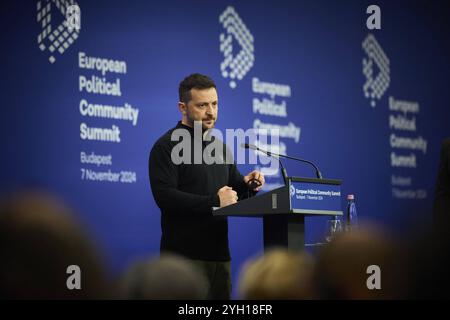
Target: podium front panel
point(315, 196)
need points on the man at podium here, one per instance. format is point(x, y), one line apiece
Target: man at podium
point(186, 192)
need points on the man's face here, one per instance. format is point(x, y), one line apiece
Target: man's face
point(202, 107)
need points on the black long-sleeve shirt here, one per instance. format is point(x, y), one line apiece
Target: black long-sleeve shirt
point(186, 193)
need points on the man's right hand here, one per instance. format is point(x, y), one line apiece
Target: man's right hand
point(227, 196)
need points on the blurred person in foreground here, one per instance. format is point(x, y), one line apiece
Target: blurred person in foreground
point(428, 265)
point(169, 277)
point(278, 274)
point(343, 271)
point(39, 240)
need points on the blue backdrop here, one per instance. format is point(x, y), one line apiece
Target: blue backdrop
point(321, 50)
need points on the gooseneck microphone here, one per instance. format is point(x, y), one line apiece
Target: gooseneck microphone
point(283, 170)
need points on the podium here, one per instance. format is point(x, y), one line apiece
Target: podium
point(283, 210)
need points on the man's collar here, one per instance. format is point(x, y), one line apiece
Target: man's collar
point(205, 132)
point(182, 125)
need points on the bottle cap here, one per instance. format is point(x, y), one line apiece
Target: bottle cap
point(351, 197)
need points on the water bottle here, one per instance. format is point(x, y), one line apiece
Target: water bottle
point(352, 215)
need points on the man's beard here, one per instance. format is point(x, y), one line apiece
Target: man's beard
point(207, 120)
point(204, 126)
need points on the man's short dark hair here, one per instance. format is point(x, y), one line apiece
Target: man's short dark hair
point(194, 81)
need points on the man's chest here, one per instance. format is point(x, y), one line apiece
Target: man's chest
point(202, 177)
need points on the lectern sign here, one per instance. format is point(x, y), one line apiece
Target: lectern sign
point(314, 196)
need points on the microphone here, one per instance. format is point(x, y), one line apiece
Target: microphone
point(283, 170)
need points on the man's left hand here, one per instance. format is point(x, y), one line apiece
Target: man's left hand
point(255, 175)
